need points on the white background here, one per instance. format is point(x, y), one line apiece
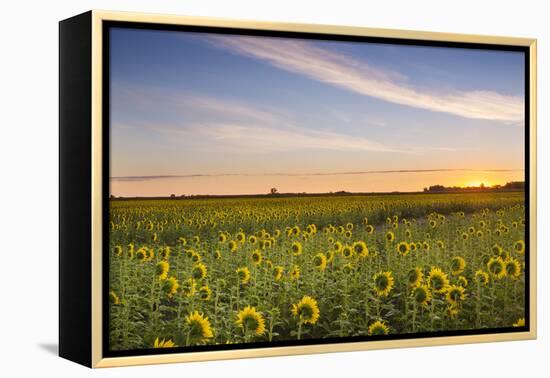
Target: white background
point(29, 189)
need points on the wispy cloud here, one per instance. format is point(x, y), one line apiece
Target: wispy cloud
point(198, 175)
point(271, 139)
point(342, 71)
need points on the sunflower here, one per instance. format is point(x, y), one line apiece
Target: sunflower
point(165, 253)
point(455, 294)
point(330, 256)
point(519, 246)
point(278, 273)
point(198, 327)
point(118, 250)
point(170, 286)
point(337, 246)
point(154, 237)
point(240, 237)
point(142, 254)
point(296, 248)
point(232, 245)
point(114, 299)
point(462, 281)
point(425, 246)
point(464, 236)
point(408, 233)
point(251, 320)
point(421, 294)
point(452, 311)
point(320, 261)
point(163, 343)
point(390, 237)
point(479, 233)
point(496, 267)
point(482, 277)
point(415, 276)
point(348, 234)
point(243, 274)
point(257, 257)
point(433, 223)
point(295, 272)
point(438, 280)
point(361, 249)
point(130, 251)
point(347, 252)
point(512, 268)
point(188, 287)
point(496, 249)
point(403, 248)
point(205, 293)
point(519, 323)
point(162, 269)
point(199, 271)
point(252, 239)
point(458, 264)
point(306, 310)
point(222, 238)
point(370, 229)
point(217, 254)
point(181, 240)
point(383, 283)
point(440, 244)
point(348, 268)
point(378, 328)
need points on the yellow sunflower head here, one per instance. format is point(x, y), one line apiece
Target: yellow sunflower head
point(295, 272)
point(199, 271)
point(462, 281)
point(482, 277)
point(188, 287)
point(278, 273)
point(519, 246)
point(378, 328)
point(383, 283)
point(390, 237)
point(422, 294)
point(232, 245)
point(199, 327)
point(512, 268)
point(170, 286)
point(337, 246)
point(113, 298)
point(370, 229)
point(162, 269)
point(118, 250)
point(414, 277)
point(257, 257)
point(205, 293)
point(455, 294)
point(438, 280)
point(165, 253)
point(162, 343)
point(306, 310)
point(519, 323)
point(458, 264)
point(243, 274)
point(361, 249)
point(348, 268)
point(347, 252)
point(496, 267)
point(222, 238)
point(320, 261)
point(403, 248)
point(251, 321)
point(296, 248)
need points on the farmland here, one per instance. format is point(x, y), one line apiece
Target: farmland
point(235, 270)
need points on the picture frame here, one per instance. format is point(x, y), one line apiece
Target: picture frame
point(85, 187)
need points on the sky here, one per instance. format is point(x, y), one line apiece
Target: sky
point(200, 113)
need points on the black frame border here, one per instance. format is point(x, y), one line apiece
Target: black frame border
point(106, 27)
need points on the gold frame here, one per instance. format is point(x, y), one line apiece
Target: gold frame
point(97, 356)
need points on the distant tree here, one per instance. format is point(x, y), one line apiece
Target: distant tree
point(172, 195)
point(273, 191)
point(112, 196)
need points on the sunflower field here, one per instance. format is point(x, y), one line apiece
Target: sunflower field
point(235, 270)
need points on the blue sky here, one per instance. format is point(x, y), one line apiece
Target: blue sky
point(268, 109)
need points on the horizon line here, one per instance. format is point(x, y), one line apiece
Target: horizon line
point(198, 175)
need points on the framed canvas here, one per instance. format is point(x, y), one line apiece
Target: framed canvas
point(237, 189)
